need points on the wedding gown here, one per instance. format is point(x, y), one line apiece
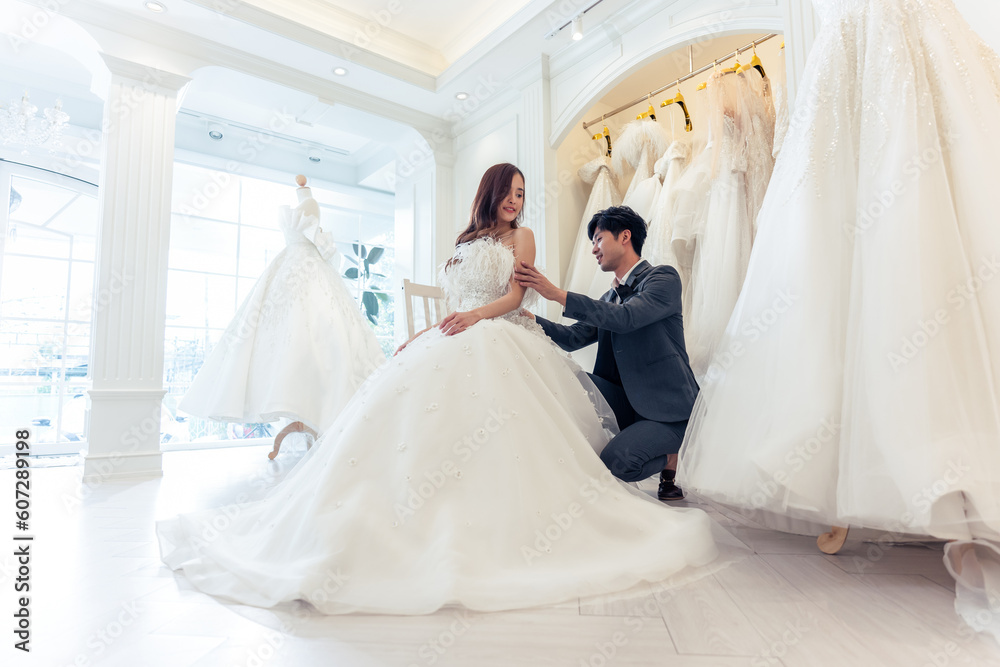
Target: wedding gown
point(298, 347)
point(857, 383)
point(463, 472)
point(713, 223)
point(584, 276)
point(641, 143)
point(659, 240)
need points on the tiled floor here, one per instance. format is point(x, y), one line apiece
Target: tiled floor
point(101, 597)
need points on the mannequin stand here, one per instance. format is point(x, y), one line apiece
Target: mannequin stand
point(294, 427)
point(832, 542)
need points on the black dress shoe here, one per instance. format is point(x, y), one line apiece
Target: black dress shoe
point(668, 490)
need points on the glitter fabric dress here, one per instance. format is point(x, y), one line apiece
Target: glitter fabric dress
point(464, 471)
point(857, 382)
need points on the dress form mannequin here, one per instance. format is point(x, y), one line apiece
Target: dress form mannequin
point(308, 206)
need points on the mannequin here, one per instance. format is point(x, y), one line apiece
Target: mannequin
point(298, 347)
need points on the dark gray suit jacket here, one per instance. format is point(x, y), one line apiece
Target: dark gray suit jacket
point(640, 342)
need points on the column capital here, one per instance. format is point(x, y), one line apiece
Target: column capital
point(148, 77)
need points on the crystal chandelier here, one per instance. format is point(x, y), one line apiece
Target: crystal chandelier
point(20, 126)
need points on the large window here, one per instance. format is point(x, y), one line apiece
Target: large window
point(224, 232)
point(49, 226)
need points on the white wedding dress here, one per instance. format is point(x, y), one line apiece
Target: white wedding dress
point(659, 247)
point(298, 347)
point(641, 144)
point(857, 382)
point(463, 472)
point(713, 211)
point(583, 275)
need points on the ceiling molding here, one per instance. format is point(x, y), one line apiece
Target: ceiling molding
point(421, 73)
point(496, 38)
point(211, 53)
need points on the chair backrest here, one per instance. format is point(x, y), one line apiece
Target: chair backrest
point(431, 296)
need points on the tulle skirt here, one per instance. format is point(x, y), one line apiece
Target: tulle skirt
point(857, 379)
point(297, 348)
point(465, 471)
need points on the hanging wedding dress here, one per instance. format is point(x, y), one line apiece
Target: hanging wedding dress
point(584, 275)
point(463, 472)
point(857, 382)
point(659, 240)
point(756, 90)
point(713, 227)
point(779, 88)
point(641, 143)
point(298, 347)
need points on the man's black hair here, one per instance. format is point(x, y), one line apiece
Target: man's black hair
point(616, 220)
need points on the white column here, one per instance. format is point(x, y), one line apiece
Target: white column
point(446, 221)
point(801, 25)
point(130, 300)
point(537, 159)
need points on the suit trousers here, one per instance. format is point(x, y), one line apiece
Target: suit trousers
point(642, 445)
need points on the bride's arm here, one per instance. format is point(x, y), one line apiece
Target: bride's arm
point(523, 241)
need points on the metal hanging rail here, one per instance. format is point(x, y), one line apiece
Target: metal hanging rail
point(684, 78)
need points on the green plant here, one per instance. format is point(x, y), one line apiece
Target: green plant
point(364, 258)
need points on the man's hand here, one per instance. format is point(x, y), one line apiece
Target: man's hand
point(528, 276)
point(458, 322)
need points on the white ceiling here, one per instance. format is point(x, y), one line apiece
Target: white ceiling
point(444, 29)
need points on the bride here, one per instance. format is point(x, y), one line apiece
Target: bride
point(462, 472)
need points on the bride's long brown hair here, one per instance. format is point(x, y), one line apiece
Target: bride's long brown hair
point(493, 189)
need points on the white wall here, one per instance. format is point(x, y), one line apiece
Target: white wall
point(491, 143)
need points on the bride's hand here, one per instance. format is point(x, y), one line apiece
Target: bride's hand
point(458, 322)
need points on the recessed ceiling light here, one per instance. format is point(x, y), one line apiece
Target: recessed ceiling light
point(340, 71)
point(461, 96)
point(155, 7)
point(315, 155)
point(216, 131)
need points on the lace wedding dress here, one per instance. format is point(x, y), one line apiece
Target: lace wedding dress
point(297, 348)
point(463, 472)
point(857, 382)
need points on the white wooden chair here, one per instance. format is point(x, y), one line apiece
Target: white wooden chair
point(434, 306)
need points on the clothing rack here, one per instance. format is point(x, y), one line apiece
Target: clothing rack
point(684, 78)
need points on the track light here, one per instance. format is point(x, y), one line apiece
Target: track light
point(577, 29)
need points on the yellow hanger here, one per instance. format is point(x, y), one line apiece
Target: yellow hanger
point(679, 100)
point(734, 68)
point(755, 63)
point(606, 136)
point(715, 68)
point(649, 113)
